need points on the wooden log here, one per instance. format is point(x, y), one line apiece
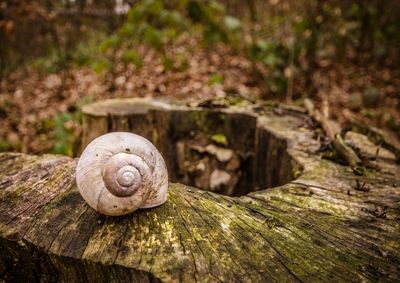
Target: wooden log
point(326, 225)
point(379, 136)
point(333, 133)
point(169, 125)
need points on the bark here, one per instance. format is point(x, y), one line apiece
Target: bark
point(326, 225)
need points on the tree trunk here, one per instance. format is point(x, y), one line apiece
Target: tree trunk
point(323, 223)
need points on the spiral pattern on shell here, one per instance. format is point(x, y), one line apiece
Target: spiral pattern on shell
point(121, 172)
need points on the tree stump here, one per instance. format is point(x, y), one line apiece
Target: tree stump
point(285, 214)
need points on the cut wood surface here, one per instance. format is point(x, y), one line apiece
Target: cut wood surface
point(325, 225)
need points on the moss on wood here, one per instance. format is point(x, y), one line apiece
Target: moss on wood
point(318, 227)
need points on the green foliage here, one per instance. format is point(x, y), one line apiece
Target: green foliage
point(64, 136)
point(48, 64)
point(132, 56)
point(5, 145)
point(196, 11)
point(292, 45)
point(83, 53)
point(215, 79)
point(209, 17)
point(100, 65)
point(324, 31)
point(274, 55)
point(220, 139)
point(168, 63)
point(154, 23)
point(289, 44)
point(181, 62)
point(64, 125)
point(111, 42)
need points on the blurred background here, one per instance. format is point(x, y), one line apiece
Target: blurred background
point(57, 55)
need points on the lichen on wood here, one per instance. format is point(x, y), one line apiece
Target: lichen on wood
point(321, 226)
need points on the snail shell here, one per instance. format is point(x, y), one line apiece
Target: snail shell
point(121, 172)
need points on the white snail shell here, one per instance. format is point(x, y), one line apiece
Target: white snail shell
point(121, 172)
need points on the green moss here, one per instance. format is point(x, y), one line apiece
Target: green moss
point(238, 101)
point(216, 79)
point(220, 139)
point(359, 170)
point(207, 121)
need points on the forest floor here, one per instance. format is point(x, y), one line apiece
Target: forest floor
point(38, 111)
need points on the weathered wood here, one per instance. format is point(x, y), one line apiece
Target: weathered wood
point(379, 136)
point(181, 133)
point(333, 133)
point(326, 225)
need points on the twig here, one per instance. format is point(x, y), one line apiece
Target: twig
point(333, 134)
